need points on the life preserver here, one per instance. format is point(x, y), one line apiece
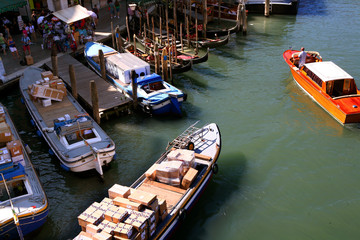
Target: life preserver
point(215, 168)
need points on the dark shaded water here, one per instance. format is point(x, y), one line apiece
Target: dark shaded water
point(287, 169)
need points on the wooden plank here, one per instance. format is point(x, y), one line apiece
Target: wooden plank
point(56, 110)
point(109, 96)
point(172, 198)
point(202, 156)
point(164, 186)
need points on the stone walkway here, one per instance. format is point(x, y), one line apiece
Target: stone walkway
point(14, 69)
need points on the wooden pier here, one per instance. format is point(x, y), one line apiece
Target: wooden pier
point(110, 100)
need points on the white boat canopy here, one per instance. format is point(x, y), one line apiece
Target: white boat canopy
point(327, 71)
point(72, 14)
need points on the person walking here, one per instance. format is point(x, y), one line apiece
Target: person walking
point(117, 7)
point(12, 47)
point(26, 43)
point(32, 32)
point(3, 43)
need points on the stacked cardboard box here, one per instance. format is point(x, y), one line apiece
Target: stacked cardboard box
point(15, 148)
point(188, 178)
point(48, 88)
point(118, 191)
point(170, 172)
point(183, 155)
point(2, 115)
point(5, 134)
point(6, 163)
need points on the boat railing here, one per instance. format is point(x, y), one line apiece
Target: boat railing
point(346, 96)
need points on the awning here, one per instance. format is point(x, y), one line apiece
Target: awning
point(328, 71)
point(10, 5)
point(72, 14)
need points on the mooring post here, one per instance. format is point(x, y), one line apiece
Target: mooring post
point(156, 58)
point(112, 35)
point(134, 37)
point(54, 61)
point(95, 101)
point(205, 18)
point(118, 39)
point(160, 31)
point(73, 81)
point(244, 20)
point(267, 8)
point(102, 64)
point(134, 88)
point(164, 64)
point(181, 38)
point(196, 35)
point(175, 19)
point(187, 32)
point(127, 28)
point(153, 29)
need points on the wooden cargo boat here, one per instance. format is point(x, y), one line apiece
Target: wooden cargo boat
point(23, 202)
point(154, 94)
point(329, 85)
point(73, 136)
point(158, 201)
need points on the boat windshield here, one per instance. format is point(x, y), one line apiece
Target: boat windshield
point(154, 86)
point(16, 188)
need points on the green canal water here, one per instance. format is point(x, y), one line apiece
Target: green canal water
point(287, 170)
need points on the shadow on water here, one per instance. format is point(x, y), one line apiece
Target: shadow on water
point(227, 182)
point(312, 8)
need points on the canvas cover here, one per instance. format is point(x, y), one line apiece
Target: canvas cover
point(72, 14)
point(328, 71)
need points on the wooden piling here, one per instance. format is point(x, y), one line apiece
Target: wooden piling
point(134, 88)
point(167, 26)
point(127, 28)
point(112, 35)
point(95, 101)
point(164, 64)
point(244, 20)
point(160, 41)
point(175, 19)
point(73, 81)
point(205, 18)
point(267, 8)
point(102, 64)
point(54, 61)
point(117, 36)
point(119, 39)
point(219, 11)
point(196, 36)
point(147, 20)
point(156, 58)
point(134, 36)
point(181, 38)
point(187, 32)
point(153, 28)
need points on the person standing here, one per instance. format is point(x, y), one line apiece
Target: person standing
point(32, 32)
point(302, 57)
point(12, 47)
point(112, 9)
point(117, 6)
point(96, 11)
point(26, 43)
point(3, 43)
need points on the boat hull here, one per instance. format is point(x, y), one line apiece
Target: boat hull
point(161, 107)
point(334, 107)
point(28, 224)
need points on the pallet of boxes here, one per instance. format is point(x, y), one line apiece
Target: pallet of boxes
point(127, 214)
point(11, 153)
point(49, 88)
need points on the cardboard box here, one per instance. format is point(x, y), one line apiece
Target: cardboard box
point(92, 229)
point(169, 169)
point(102, 236)
point(40, 91)
point(47, 74)
point(4, 126)
point(19, 159)
point(162, 205)
point(118, 191)
point(83, 236)
point(15, 148)
point(138, 222)
point(126, 203)
point(124, 230)
point(142, 197)
point(29, 60)
point(5, 136)
point(154, 205)
point(46, 102)
point(188, 178)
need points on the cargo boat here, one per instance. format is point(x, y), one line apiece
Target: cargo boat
point(155, 96)
point(23, 202)
point(73, 136)
point(329, 85)
point(154, 205)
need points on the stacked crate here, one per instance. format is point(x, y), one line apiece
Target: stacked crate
point(127, 214)
point(48, 88)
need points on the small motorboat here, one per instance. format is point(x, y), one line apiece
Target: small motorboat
point(73, 136)
point(23, 202)
point(330, 86)
point(155, 96)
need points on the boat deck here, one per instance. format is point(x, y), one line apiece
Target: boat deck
point(56, 110)
point(109, 97)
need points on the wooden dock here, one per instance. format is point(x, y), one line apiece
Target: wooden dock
point(110, 99)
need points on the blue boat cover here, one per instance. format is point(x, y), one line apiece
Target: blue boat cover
point(17, 170)
point(92, 49)
point(149, 78)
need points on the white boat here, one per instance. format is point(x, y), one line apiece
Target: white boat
point(23, 202)
point(73, 136)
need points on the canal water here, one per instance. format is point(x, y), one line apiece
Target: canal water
point(287, 170)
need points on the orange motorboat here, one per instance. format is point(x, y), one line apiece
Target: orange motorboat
point(329, 85)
